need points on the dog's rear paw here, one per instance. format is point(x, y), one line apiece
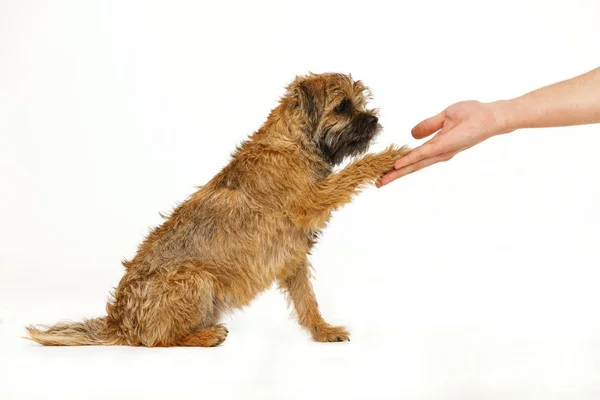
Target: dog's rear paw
point(219, 334)
point(328, 333)
point(207, 337)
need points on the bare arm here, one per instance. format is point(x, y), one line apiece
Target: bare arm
point(572, 102)
point(462, 125)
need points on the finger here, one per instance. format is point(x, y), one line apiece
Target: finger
point(387, 178)
point(429, 126)
point(426, 150)
point(393, 175)
point(422, 164)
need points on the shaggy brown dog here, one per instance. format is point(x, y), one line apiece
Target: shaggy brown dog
point(253, 223)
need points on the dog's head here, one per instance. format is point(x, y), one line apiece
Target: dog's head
point(331, 111)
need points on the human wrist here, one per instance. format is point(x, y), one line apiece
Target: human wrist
point(509, 115)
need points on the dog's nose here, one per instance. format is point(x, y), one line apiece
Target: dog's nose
point(371, 119)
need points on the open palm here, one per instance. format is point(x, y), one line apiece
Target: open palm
point(459, 127)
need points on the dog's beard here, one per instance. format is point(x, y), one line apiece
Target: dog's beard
point(351, 140)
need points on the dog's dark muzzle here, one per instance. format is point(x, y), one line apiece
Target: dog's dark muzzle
point(366, 124)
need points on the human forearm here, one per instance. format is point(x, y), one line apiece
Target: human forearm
point(572, 102)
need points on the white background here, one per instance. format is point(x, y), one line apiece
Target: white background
point(475, 279)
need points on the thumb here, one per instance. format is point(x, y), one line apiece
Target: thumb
point(429, 126)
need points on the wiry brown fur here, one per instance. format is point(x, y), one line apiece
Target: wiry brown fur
point(253, 223)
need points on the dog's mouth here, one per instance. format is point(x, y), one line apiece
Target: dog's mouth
point(365, 139)
point(352, 140)
point(364, 128)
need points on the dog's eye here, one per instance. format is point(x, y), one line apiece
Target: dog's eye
point(344, 106)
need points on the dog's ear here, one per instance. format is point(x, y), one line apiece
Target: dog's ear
point(307, 101)
point(305, 96)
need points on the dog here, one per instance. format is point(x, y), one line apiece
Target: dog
point(254, 223)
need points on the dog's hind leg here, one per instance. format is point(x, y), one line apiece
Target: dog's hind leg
point(175, 307)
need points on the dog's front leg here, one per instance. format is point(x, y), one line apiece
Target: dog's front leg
point(337, 189)
point(299, 290)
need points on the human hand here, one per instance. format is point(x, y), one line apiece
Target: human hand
point(460, 126)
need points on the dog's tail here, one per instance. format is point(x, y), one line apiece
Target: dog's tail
point(88, 332)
